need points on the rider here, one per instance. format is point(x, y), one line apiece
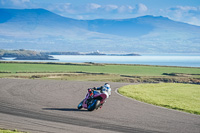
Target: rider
point(104, 89)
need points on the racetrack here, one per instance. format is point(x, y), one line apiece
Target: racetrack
point(50, 106)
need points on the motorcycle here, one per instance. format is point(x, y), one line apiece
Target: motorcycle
point(93, 100)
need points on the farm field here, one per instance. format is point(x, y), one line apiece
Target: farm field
point(99, 72)
point(139, 70)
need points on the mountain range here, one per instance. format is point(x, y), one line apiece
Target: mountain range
point(40, 29)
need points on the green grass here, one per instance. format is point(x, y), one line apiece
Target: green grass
point(109, 69)
point(9, 131)
point(99, 72)
point(184, 97)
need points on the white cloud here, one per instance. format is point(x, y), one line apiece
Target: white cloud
point(187, 14)
point(122, 9)
point(94, 10)
point(194, 21)
point(110, 7)
point(186, 8)
point(89, 8)
point(15, 3)
point(67, 7)
point(130, 7)
point(142, 8)
point(62, 8)
point(93, 6)
point(125, 9)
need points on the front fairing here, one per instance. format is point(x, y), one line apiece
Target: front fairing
point(96, 95)
point(102, 95)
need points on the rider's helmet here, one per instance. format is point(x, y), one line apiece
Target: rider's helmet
point(107, 89)
point(106, 85)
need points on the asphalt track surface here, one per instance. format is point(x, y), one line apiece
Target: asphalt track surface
point(50, 106)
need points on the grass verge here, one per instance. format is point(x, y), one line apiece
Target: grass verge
point(183, 97)
point(9, 131)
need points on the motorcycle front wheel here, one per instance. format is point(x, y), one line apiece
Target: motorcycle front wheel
point(80, 105)
point(92, 105)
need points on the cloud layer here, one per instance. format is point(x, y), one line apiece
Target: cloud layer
point(94, 10)
point(97, 8)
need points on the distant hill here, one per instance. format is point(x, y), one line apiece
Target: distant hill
point(39, 29)
point(24, 55)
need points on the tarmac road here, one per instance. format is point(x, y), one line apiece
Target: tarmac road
point(50, 106)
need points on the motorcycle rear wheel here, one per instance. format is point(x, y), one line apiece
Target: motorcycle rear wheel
point(98, 104)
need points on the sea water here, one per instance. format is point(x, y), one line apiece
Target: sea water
point(164, 60)
point(190, 60)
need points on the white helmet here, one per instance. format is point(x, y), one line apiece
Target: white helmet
point(107, 89)
point(106, 85)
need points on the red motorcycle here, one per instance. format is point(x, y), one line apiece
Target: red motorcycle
point(93, 100)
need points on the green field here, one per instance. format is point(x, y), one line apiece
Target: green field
point(109, 69)
point(184, 97)
point(99, 72)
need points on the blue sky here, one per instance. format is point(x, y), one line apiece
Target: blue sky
point(187, 11)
